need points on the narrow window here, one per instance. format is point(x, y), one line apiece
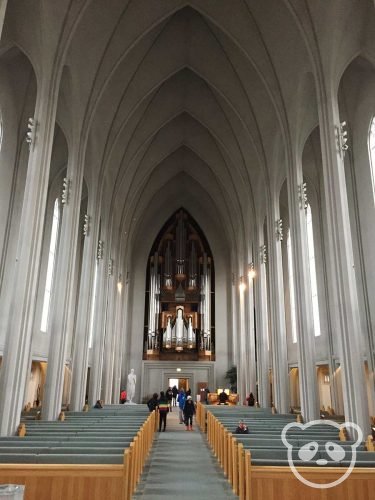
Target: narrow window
point(314, 288)
point(292, 299)
point(371, 148)
point(50, 266)
point(1, 131)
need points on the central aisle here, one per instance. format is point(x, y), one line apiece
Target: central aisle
point(182, 466)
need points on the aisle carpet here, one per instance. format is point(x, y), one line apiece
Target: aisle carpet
point(181, 466)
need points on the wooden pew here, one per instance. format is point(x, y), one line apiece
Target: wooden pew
point(83, 481)
point(254, 482)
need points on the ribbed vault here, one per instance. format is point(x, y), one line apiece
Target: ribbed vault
point(178, 88)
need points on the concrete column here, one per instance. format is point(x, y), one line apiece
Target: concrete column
point(278, 328)
point(235, 337)
point(118, 341)
point(262, 327)
point(341, 266)
point(63, 298)
point(99, 333)
point(82, 329)
point(242, 371)
point(15, 366)
point(109, 345)
point(251, 345)
point(3, 6)
point(302, 292)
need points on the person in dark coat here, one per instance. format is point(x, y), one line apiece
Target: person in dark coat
point(250, 400)
point(223, 398)
point(169, 395)
point(174, 398)
point(189, 412)
point(153, 402)
point(163, 407)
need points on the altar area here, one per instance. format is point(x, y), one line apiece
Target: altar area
point(156, 376)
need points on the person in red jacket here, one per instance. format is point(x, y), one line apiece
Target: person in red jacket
point(123, 396)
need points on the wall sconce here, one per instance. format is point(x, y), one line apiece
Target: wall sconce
point(279, 229)
point(110, 267)
point(251, 271)
point(342, 138)
point(178, 369)
point(302, 196)
point(99, 251)
point(242, 284)
point(65, 195)
point(86, 225)
point(326, 379)
point(30, 134)
point(263, 254)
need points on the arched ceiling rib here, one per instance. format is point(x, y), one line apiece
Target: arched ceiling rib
point(173, 79)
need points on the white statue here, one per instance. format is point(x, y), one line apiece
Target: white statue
point(132, 379)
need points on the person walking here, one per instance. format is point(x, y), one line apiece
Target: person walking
point(163, 407)
point(189, 412)
point(174, 398)
point(153, 402)
point(181, 398)
point(169, 395)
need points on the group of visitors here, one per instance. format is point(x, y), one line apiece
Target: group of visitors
point(169, 398)
point(186, 408)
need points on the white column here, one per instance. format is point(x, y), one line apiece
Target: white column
point(302, 287)
point(82, 329)
point(118, 341)
point(62, 302)
point(99, 333)
point(15, 365)
point(341, 266)
point(109, 345)
point(262, 331)
point(3, 6)
point(235, 339)
point(278, 328)
point(251, 345)
point(242, 372)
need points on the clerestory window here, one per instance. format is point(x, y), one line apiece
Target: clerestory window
point(292, 299)
point(371, 148)
point(312, 267)
point(50, 266)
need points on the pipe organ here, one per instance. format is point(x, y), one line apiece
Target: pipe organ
point(179, 293)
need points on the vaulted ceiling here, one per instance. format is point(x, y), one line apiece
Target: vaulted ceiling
point(195, 96)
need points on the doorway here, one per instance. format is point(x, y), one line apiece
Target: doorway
point(180, 383)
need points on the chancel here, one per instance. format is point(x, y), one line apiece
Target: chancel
point(179, 293)
point(187, 205)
